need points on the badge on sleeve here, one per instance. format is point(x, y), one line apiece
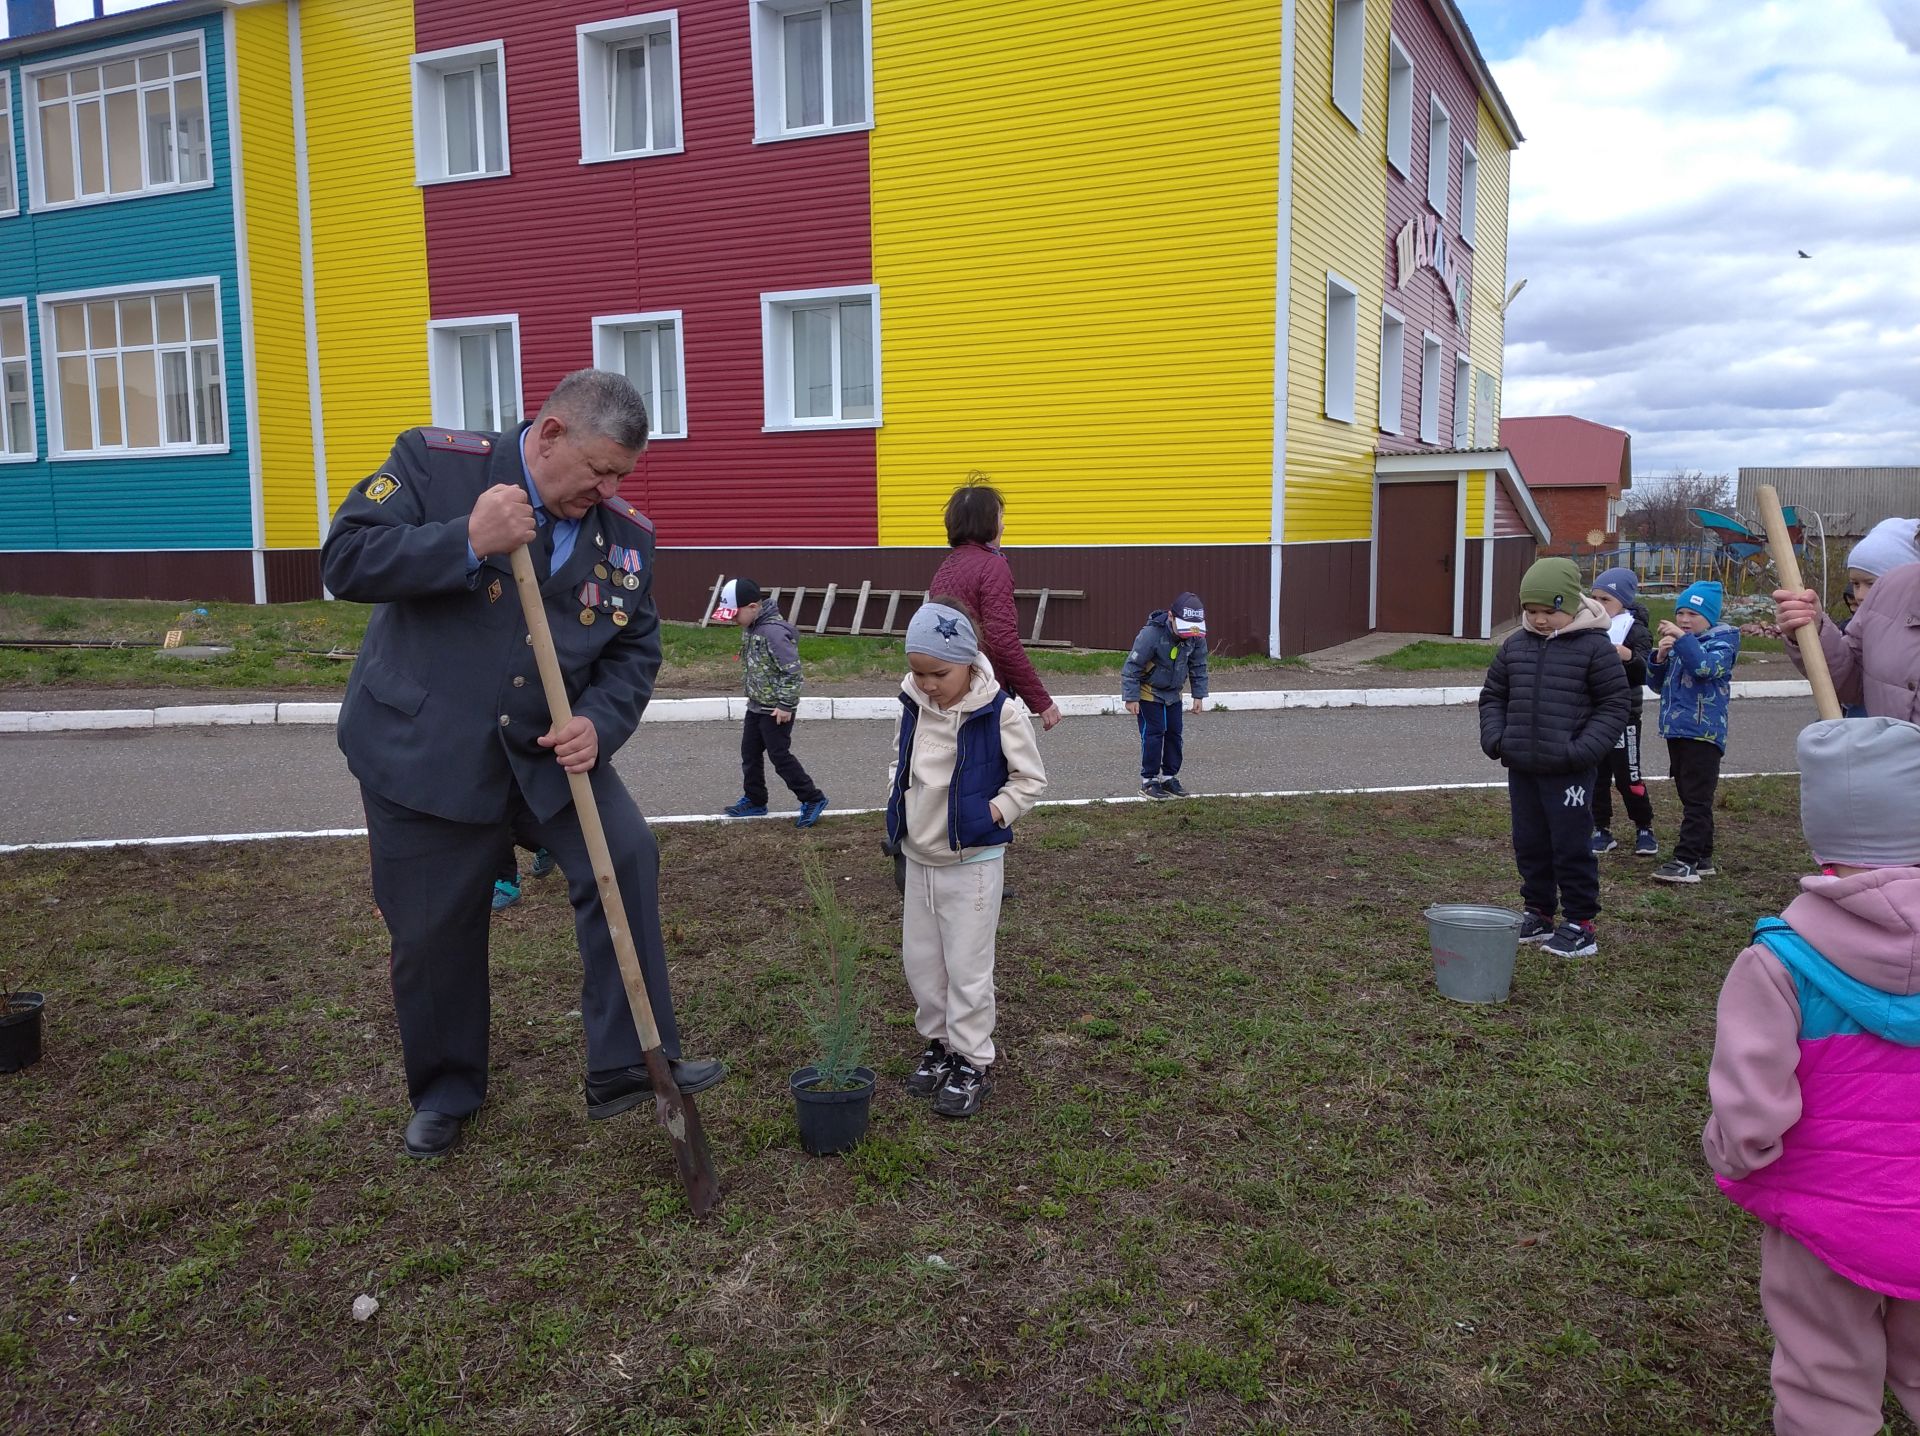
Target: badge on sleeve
point(382, 487)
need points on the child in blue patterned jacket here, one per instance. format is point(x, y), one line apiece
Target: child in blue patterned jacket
point(1692, 665)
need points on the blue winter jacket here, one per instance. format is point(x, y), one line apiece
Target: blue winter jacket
point(1695, 682)
point(1161, 662)
point(980, 771)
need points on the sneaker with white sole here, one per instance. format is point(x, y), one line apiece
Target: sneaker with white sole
point(925, 1079)
point(1602, 841)
point(965, 1088)
point(1572, 939)
point(1645, 844)
point(1675, 871)
point(1536, 926)
point(1171, 787)
point(1152, 788)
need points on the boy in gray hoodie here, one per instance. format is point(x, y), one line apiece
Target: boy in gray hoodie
point(770, 659)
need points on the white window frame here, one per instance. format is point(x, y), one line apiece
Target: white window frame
point(599, 42)
point(22, 305)
point(1399, 107)
point(1341, 347)
point(1462, 387)
point(608, 329)
point(429, 69)
point(30, 76)
point(776, 348)
point(1469, 192)
point(1429, 387)
point(769, 71)
point(446, 393)
point(12, 208)
point(1439, 153)
point(1350, 58)
point(1393, 368)
point(50, 371)
point(1486, 410)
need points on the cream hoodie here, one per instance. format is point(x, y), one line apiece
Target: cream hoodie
point(936, 745)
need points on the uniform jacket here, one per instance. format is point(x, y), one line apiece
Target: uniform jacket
point(444, 702)
point(1876, 661)
point(1555, 704)
point(770, 660)
point(949, 764)
point(1695, 682)
point(1816, 1077)
point(979, 576)
point(1161, 662)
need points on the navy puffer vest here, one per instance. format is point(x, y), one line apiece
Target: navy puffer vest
point(979, 772)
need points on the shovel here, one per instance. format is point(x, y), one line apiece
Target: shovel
point(673, 1107)
point(1812, 655)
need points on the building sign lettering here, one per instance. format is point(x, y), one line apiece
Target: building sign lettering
point(1422, 241)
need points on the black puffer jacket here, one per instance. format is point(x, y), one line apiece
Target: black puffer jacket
point(1555, 705)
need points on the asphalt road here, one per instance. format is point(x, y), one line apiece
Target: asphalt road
point(204, 781)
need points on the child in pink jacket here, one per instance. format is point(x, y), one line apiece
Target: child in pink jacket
point(1816, 1089)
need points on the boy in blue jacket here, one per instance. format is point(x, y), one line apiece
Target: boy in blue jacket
point(1692, 665)
point(1170, 652)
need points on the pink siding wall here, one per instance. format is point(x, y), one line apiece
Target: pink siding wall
point(1423, 302)
point(704, 232)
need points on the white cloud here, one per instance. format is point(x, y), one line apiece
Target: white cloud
point(1678, 154)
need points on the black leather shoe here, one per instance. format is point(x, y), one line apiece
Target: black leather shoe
point(432, 1134)
point(610, 1096)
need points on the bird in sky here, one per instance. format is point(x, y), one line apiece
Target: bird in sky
point(1803, 254)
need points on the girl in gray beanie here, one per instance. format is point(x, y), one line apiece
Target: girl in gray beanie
point(965, 768)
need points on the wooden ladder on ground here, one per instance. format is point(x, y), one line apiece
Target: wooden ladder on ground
point(868, 597)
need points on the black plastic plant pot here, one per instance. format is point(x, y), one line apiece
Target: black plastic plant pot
point(20, 1031)
point(831, 1122)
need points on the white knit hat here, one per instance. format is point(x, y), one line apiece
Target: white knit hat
point(1858, 780)
point(1888, 544)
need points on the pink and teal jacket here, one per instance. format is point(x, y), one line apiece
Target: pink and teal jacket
point(1816, 1077)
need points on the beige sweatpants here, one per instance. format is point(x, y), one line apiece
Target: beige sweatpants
point(946, 946)
point(1837, 1346)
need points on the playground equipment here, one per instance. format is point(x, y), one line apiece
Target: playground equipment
point(1737, 546)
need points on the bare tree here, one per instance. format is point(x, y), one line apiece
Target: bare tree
point(1654, 510)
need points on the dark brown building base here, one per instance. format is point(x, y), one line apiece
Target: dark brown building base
point(203, 575)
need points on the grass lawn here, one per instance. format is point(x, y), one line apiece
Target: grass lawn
point(1424, 655)
point(311, 645)
point(1243, 1168)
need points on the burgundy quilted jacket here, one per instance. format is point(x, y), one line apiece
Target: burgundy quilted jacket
point(979, 576)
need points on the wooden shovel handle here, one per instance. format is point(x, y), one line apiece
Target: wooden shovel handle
point(1812, 656)
point(584, 805)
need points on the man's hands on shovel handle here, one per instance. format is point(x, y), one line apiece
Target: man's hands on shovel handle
point(575, 744)
point(501, 521)
point(1796, 608)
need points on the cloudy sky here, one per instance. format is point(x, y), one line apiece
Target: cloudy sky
point(1678, 153)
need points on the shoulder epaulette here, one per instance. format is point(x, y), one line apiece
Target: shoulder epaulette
point(457, 441)
point(627, 511)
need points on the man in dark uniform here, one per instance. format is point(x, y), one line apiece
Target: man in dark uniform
point(446, 726)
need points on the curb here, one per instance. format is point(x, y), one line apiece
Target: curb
point(722, 710)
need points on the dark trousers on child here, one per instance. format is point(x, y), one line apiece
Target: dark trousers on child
point(760, 735)
point(1622, 770)
point(1695, 766)
point(1162, 738)
point(1552, 825)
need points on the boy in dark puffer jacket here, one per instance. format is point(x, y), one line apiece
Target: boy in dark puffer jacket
point(1554, 703)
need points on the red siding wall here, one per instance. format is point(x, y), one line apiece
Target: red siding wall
point(1423, 302)
point(704, 232)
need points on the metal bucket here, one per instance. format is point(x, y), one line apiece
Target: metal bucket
point(1473, 950)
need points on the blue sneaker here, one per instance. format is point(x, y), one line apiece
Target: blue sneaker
point(810, 812)
point(542, 862)
point(1602, 842)
point(1645, 845)
point(505, 894)
point(744, 807)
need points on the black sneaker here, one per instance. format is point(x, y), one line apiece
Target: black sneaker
point(1171, 787)
point(1645, 844)
point(963, 1091)
point(932, 1070)
point(1572, 939)
point(1676, 871)
point(1151, 788)
point(1601, 842)
point(1536, 926)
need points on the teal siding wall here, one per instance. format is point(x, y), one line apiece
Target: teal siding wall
point(197, 501)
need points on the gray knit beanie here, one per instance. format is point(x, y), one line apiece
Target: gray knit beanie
point(943, 633)
point(1858, 779)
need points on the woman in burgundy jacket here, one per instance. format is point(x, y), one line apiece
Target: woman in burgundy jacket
point(976, 572)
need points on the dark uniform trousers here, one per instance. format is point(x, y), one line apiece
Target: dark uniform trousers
point(433, 880)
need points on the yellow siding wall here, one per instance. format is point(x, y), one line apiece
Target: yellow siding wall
point(369, 230)
point(264, 88)
point(1339, 224)
point(1476, 503)
point(1487, 330)
point(1074, 237)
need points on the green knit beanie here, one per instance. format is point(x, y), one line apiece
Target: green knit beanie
point(1553, 583)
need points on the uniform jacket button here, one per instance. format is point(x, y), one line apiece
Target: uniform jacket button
point(504, 720)
point(529, 640)
point(519, 681)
